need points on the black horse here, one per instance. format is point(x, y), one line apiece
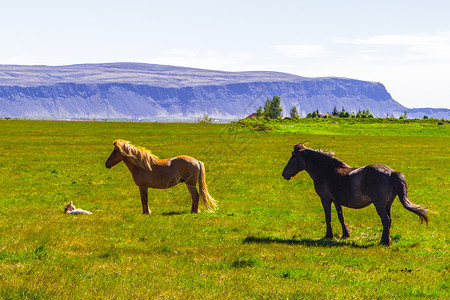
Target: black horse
point(335, 181)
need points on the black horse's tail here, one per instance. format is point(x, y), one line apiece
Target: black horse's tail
point(399, 182)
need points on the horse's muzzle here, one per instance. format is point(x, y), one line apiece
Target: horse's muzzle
point(108, 165)
point(287, 177)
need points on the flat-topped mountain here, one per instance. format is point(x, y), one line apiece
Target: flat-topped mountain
point(158, 92)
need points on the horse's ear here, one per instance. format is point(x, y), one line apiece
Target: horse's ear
point(299, 147)
point(117, 144)
point(120, 142)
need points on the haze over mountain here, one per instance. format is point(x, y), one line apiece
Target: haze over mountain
point(156, 92)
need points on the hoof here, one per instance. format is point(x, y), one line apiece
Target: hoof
point(345, 236)
point(386, 243)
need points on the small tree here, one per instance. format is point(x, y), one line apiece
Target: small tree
point(313, 114)
point(206, 119)
point(369, 115)
point(404, 115)
point(273, 109)
point(364, 114)
point(259, 112)
point(344, 114)
point(335, 112)
point(294, 113)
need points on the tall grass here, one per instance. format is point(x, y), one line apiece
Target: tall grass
point(263, 243)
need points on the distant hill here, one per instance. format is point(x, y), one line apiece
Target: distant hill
point(136, 91)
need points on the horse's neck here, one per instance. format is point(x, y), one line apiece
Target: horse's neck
point(130, 165)
point(318, 166)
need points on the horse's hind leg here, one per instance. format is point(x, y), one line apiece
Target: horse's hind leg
point(384, 213)
point(389, 205)
point(345, 233)
point(327, 208)
point(195, 197)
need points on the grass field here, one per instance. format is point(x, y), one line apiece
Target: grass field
point(263, 243)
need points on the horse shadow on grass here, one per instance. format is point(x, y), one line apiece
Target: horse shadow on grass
point(326, 243)
point(174, 213)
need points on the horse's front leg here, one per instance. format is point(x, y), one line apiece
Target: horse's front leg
point(345, 233)
point(327, 208)
point(144, 199)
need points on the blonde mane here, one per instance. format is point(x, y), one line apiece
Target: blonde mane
point(139, 156)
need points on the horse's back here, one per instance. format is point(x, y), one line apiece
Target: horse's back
point(380, 168)
point(187, 167)
point(186, 158)
point(371, 170)
point(376, 181)
point(183, 161)
point(359, 185)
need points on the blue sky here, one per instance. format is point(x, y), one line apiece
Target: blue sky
point(403, 44)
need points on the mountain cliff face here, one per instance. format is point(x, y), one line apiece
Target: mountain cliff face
point(155, 92)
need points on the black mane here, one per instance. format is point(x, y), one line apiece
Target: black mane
point(325, 158)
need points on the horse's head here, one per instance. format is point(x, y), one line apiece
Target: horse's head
point(296, 163)
point(116, 155)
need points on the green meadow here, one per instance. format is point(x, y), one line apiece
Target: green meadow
point(264, 242)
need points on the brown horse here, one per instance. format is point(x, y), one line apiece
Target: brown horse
point(150, 172)
point(334, 181)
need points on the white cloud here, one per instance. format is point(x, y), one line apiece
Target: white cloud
point(398, 39)
point(408, 47)
point(15, 60)
point(303, 50)
point(183, 53)
point(207, 59)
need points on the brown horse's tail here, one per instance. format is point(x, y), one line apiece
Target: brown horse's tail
point(401, 189)
point(208, 201)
